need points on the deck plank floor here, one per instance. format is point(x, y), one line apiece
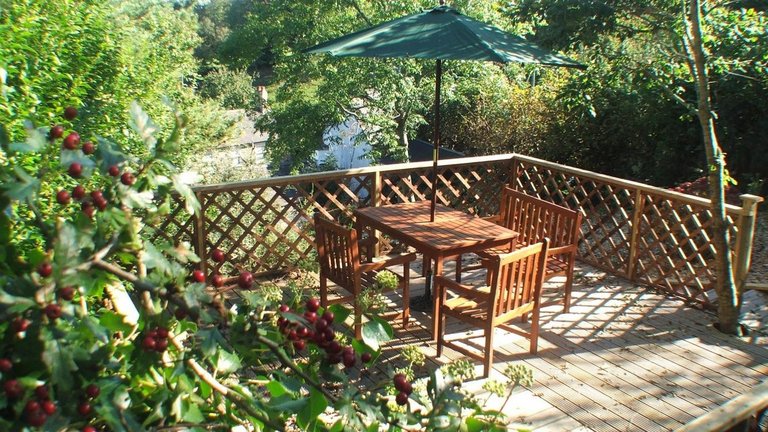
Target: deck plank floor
point(624, 358)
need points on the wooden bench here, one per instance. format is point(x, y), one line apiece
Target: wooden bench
point(535, 220)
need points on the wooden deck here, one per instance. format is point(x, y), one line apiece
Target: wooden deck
point(624, 359)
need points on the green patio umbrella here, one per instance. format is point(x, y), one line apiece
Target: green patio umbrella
point(441, 33)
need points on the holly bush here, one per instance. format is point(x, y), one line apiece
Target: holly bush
point(103, 329)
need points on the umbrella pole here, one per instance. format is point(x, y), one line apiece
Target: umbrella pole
point(436, 137)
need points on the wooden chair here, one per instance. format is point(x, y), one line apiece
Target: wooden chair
point(536, 219)
point(338, 250)
point(514, 291)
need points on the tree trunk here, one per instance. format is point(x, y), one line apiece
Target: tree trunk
point(728, 296)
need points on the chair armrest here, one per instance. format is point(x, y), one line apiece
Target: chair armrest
point(464, 290)
point(378, 265)
point(562, 250)
point(495, 218)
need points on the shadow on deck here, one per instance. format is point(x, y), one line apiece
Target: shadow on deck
point(624, 359)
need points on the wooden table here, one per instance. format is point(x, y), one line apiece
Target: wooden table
point(452, 233)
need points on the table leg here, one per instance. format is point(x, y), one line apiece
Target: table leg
point(435, 300)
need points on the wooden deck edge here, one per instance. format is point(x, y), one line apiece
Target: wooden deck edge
point(731, 413)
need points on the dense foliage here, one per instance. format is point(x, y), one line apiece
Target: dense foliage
point(103, 329)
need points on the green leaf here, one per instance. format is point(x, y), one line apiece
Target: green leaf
point(316, 406)
point(143, 126)
point(276, 388)
point(132, 198)
point(25, 188)
point(340, 313)
point(181, 183)
point(376, 331)
point(114, 322)
point(35, 142)
point(58, 359)
point(192, 413)
point(68, 157)
point(109, 153)
point(153, 258)
point(5, 140)
point(17, 304)
point(227, 362)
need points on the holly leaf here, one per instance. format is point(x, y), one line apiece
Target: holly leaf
point(153, 258)
point(58, 359)
point(143, 126)
point(35, 142)
point(376, 331)
point(227, 362)
point(25, 188)
point(135, 199)
point(108, 153)
point(181, 183)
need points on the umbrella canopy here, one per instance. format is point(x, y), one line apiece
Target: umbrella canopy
point(441, 33)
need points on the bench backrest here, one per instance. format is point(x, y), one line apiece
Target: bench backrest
point(536, 219)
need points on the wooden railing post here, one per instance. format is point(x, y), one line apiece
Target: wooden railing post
point(513, 175)
point(745, 231)
point(200, 234)
point(633, 239)
point(376, 200)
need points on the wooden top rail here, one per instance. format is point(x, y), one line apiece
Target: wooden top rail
point(731, 413)
point(326, 175)
point(677, 196)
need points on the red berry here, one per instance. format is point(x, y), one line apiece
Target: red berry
point(313, 304)
point(284, 308)
point(127, 179)
point(292, 335)
point(71, 141)
point(97, 195)
point(41, 392)
point(328, 316)
point(407, 388)
point(299, 345)
point(92, 391)
point(218, 255)
point(63, 197)
point(401, 398)
point(84, 408)
point(217, 280)
point(13, 389)
point(198, 276)
point(56, 132)
point(180, 314)
point(302, 332)
point(101, 204)
point(334, 347)
point(5, 365)
point(321, 325)
point(88, 209)
point(310, 316)
point(36, 419)
point(334, 358)
point(366, 357)
point(45, 269)
point(19, 324)
point(52, 311)
point(48, 407)
point(349, 360)
point(67, 293)
point(70, 113)
point(161, 345)
point(89, 428)
point(400, 380)
point(78, 192)
point(75, 169)
point(32, 406)
point(89, 148)
point(149, 343)
point(329, 334)
point(152, 333)
point(245, 280)
point(113, 170)
point(162, 332)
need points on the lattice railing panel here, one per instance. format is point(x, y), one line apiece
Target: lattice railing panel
point(606, 226)
point(674, 247)
point(178, 226)
point(269, 227)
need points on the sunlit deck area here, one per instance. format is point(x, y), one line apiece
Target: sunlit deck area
point(625, 358)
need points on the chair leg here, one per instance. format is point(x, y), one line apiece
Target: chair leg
point(426, 265)
point(458, 269)
point(488, 361)
point(535, 331)
point(568, 286)
point(323, 291)
point(406, 294)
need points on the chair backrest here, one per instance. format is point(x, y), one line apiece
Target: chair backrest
point(337, 251)
point(536, 219)
point(517, 278)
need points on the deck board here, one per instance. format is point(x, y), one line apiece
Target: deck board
point(624, 358)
